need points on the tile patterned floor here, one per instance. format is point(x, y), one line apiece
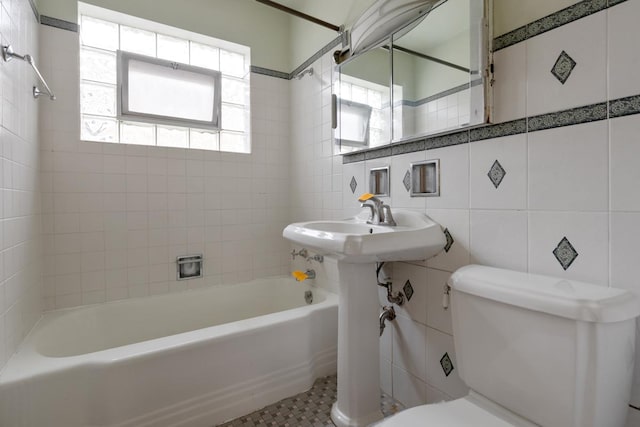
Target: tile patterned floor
point(309, 409)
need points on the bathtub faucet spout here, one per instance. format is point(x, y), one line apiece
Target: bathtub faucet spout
point(304, 275)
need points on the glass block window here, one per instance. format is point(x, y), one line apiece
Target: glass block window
point(160, 111)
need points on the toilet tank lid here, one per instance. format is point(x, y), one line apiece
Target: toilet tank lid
point(560, 297)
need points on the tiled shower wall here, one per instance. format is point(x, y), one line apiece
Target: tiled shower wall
point(316, 180)
point(577, 182)
point(115, 217)
point(20, 243)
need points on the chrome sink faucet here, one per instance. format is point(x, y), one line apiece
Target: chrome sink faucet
point(380, 212)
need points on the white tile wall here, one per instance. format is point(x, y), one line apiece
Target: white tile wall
point(568, 168)
point(585, 41)
point(20, 219)
point(512, 190)
point(588, 233)
point(579, 182)
point(117, 216)
point(499, 239)
point(623, 34)
point(317, 180)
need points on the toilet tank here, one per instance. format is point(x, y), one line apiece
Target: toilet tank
point(557, 352)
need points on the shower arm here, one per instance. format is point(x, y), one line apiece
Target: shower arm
point(294, 12)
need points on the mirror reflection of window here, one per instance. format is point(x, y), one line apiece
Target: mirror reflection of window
point(431, 66)
point(354, 123)
point(364, 113)
point(433, 75)
point(364, 81)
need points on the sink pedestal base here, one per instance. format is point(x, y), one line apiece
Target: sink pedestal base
point(358, 403)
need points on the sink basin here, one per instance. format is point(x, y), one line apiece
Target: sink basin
point(416, 237)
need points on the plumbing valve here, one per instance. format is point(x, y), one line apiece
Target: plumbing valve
point(302, 252)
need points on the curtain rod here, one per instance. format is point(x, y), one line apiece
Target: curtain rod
point(300, 15)
point(8, 54)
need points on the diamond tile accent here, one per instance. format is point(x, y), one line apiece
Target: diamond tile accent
point(353, 184)
point(447, 364)
point(565, 253)
point(449, 238)
point(407, 180)
point(563, 67)
point(496, 173)
point(408, 290)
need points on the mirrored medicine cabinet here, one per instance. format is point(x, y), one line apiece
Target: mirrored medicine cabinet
point(430, 77)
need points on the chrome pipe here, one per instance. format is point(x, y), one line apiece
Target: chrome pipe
point(388, 313)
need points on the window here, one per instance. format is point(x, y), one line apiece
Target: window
point(149, 84)
point(145, 81)
point(364, 115)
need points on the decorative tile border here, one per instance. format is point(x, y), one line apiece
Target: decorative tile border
point(574, 116)
point(59, 23)
point(429, 143)
point(508, 39)
point(377, 153)
point(565, 16)
point(439, 141)
point(624, 106)
point(553, 21)
point(72, 26)
point(498, 130)
point(407, 147)
point(353, 158)
point(439, 95)
point(436, 96)
point(268, 72)
point(327, 48)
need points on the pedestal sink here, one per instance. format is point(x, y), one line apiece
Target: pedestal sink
point(351, 248)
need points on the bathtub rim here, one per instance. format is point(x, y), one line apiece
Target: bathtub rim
point(28, 362)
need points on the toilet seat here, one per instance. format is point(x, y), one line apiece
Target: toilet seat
point(470, 411)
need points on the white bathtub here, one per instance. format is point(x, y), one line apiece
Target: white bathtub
point(190, 359)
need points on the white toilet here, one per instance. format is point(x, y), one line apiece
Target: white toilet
point(535, 350)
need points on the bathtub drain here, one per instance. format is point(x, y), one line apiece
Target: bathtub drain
point(308, 297)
